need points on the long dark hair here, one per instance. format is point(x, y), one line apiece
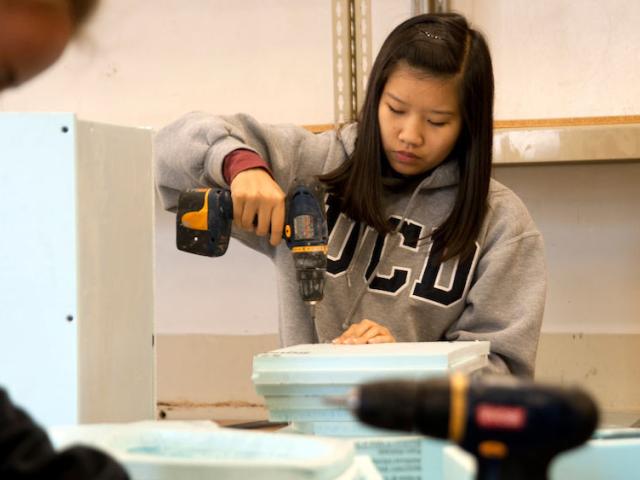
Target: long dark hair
point(442, 46)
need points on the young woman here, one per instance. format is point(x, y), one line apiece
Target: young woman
point(423, 245)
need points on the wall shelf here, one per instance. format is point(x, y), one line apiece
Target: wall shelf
point(560, 140)
point(566, 144)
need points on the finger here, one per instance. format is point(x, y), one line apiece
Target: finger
point(360, 328)
point(238, 207)
point(346, 335)
point(382, 339)
point(277, 223)
point(354, 332)
point(248, 215)
point(355, 341)
point(342, 338)
point(383, 336)
point(348, 341)
point(264, 220)
point(374, 331)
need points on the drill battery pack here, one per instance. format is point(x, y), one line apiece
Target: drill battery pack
point(203, 221)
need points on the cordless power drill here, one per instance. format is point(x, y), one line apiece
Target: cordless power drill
point(513, 427)
point(205, 216)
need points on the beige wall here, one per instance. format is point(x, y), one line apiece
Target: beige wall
point(552, 58)
point(196, 55)
point(148, 61)
point(219, 381)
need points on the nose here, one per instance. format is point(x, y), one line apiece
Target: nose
point(411, 132)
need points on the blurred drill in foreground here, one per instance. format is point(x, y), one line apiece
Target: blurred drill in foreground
point(514, 428)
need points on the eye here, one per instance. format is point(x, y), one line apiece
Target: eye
point(437, 124)
point(395, 110)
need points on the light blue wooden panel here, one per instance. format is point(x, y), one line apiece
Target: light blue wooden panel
point(38, 347)
point(610, 457)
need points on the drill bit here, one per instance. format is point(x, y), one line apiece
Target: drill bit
point(312, 311)
point(351, 400)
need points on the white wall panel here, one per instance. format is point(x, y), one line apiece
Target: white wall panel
point(38, 349)
point(76, 269)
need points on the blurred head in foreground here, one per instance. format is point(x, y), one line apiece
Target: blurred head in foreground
point(34, 33)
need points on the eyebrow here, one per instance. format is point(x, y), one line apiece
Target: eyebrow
point(440, 112)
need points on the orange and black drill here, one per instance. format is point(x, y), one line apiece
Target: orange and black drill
point(205, 216)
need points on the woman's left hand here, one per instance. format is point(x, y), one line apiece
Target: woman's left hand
point(366, 331)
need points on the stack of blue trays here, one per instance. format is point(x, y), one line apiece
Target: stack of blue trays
point(296, 381)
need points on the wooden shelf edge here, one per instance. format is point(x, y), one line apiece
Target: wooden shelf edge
point(567, 122)
point(320, 127)
point(533, 122)
point(571, 161)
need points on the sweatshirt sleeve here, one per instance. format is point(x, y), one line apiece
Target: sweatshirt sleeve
point(27, 453)
point(190, 152)
point(240, 160)
point(505, 303)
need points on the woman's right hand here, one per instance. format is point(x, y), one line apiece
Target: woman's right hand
point(258, 204)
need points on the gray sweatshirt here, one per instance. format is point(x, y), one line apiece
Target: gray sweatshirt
point(498, 295)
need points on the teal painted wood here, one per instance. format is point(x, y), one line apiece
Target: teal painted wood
point(310, 415)
point(342, 429)
point(344, 377)
point(327, 364)
point(38, 349)
point(296, 380)
point(598, 459)
point(302, 390)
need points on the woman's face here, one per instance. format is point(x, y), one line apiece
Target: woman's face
point(33, 34)
point(419, 119)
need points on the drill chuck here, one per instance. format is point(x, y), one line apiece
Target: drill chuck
point(310, 272)
point(306, 237)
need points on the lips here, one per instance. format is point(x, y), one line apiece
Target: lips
point(405, 157)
